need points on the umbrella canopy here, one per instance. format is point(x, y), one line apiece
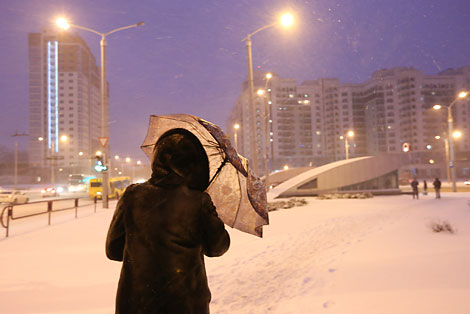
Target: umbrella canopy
point(238, 195)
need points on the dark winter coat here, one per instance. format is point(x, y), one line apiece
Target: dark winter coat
point(437, 184)
point(414, 184)
point(161, 230)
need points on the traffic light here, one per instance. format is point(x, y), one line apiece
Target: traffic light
point(99, 166)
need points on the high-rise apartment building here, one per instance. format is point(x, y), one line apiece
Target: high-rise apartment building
point(64, 100)
point(393, 107)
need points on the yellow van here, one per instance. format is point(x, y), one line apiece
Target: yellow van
point(116, 186)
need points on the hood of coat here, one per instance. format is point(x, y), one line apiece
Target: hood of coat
point(180, 159)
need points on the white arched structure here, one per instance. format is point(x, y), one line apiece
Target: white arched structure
point(376, 174)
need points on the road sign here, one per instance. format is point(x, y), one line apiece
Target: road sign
point(103, 141)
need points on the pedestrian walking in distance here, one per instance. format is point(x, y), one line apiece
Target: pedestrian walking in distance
point(437, 187)
point(425, 187)
point(414, 187)
point(161, 230)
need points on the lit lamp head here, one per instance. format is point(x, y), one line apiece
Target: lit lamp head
point(269, 76)
point(350, 133)
point(463, 94)
point(287, 20)
point(116, 157)
point(456, 134)
point(286, 167)
point(260, 92)
point(436, 107)
point(98, 153)
point(236, 126)
point(63, 138)
point(62, 23)
point(128, 159)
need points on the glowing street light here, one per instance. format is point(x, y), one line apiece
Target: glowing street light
point(450, 135)
point(64, 24)
point(456, 134)
point(346, 145)
point(236, 126)
point(286, 20)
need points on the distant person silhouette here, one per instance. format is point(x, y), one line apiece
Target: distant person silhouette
point(425, 187)
point(162, 229)
point(437, 187)
point(414, 187)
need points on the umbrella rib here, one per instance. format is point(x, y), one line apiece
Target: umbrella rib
point(239, 200)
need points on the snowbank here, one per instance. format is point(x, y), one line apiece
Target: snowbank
point(375, 255)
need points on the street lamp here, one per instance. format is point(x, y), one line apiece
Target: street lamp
point(346, 145)
point(236, 126)
point(15, 180)
point(450, 133)
point(286, 20)
point(264, 93)
point(64, 24)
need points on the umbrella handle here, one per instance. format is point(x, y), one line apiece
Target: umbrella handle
point(218, 170)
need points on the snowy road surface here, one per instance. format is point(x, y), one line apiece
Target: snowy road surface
point(375, 255)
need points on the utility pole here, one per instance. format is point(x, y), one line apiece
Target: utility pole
point(15, 175)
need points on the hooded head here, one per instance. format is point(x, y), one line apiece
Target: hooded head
point(179, 158)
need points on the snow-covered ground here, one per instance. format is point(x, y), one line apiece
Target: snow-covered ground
point(366, 256)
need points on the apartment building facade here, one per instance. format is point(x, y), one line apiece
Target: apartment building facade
point(308, 122)
point(64, 102)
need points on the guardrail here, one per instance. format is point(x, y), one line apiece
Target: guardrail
point(50, 207)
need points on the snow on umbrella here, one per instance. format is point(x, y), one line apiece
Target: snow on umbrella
point(238, 195)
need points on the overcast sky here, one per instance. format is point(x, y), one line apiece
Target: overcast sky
point(189, 58)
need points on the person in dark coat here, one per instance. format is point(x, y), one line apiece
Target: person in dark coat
point(414, 187)
point(437, 187)
point(161, 230)
point(425, 187)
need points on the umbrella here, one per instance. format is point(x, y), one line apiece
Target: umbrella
point(238, 195)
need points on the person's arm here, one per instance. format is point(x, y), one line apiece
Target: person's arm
point(116, 238)
point(215, 238)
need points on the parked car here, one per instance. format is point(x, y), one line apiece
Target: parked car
point(467, 182)
point(13, 197)
point(49, 192)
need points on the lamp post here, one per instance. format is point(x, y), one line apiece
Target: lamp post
point(266, 129)
point(446, 148)
point(128, 161)
point(346, 145)
point(286, 20)
point(15, 174)
point(62, 23)
point(450, 126)
point(236, 126)
point(53, 156)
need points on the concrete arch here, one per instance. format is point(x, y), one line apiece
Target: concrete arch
point(376, 174)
